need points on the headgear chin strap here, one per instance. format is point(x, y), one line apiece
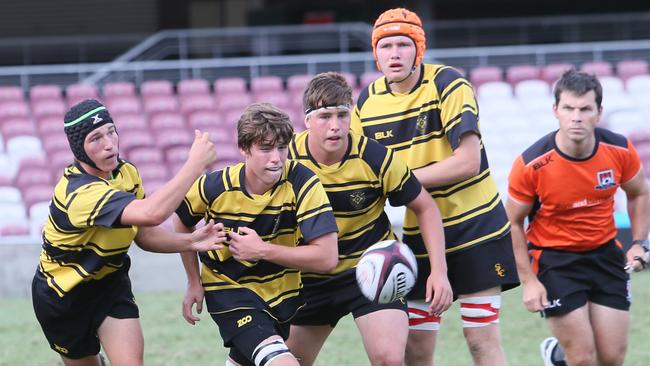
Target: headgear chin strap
point(79, 121)
point(400, 22)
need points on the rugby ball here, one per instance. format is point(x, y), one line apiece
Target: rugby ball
point(386, 271)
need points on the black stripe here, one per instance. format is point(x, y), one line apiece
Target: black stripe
point(478, 208)
point(466, 231)
point(348, 214)
point(294, 291)
point(438, 135)
point(382, 173)
point(347, 184)
point(444, 77)
point(61, 220)
point(305, 191)
point(453, 88)
point(228, 182)
point(270, 356)
point(458, 188)
point(97, 205)
point(201, 190)
point(306, 213)
point(52, 280)
point(397, 114)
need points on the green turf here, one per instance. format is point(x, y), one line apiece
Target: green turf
point(171, 341)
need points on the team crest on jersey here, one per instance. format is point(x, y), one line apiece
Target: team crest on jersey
point(605, 179)
point(421, 123)
point(357, 198)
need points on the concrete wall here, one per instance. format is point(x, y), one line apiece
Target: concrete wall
point(149, 271)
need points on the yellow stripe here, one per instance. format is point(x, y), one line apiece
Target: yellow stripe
point(317, 212)
point(400, 117)
point(463, 183)
point(459, 120)
point(306, 186)
point(473, 214)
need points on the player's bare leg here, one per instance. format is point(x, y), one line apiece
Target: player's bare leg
point(610, 328)
point(122, 341)
point(483, 340)
point(420, 347)
point(576, 336)
point(86, 361)
point(306, 341)
point(382, 349)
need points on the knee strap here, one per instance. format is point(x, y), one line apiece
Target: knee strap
point(265, 353)
point(480, 311)
point(420, 318)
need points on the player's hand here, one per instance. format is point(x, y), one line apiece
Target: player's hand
point(439, 293)
point(246, 245)
point(193, 295)
point(637, 259)
point(208, 237)
point(202, 153)
point(534, 296)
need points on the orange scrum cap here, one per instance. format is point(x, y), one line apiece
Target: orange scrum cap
point(400, 22)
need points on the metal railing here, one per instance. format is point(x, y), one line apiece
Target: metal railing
point(284, 66)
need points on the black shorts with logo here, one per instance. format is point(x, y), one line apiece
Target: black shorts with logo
point(243, 330)
point(70, 323)
point(477, 268)
point(573, 278)
point(328, 303)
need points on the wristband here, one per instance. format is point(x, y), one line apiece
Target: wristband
point(644, 243)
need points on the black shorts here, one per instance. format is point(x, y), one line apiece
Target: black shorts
point(243, 330)
point(70, 323)
point(475, 269)
point(327, 304)
point(573, 278)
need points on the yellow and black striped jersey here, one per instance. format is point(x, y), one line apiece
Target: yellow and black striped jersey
point(83, 239)
point(358, 187)
point(294, 211)
point(423, 127)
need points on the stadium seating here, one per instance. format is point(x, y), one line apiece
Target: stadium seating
point(627, 69)
point(123, 104)
point(552, 72)
point(75, 93)
point(118, 89)
point(197, 102)
point(518, 73)
point(484, 74)
point(156, 87)
point(11, 93)
point(189, 87)
point(230, 85)
point(156, 119)
point(598, 68)
point(266, 84)
point(43, 92)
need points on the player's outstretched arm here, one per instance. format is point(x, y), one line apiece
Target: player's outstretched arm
point(534, 296)
point(638, 207)
point(319, 255)
point(438, 290)
point(160, 240)
point(194, 293)
point(463, 164)
point(154, 210)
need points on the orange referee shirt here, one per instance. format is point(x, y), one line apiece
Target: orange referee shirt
point(573, 199)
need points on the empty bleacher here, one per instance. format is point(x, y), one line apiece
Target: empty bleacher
point(157, 104)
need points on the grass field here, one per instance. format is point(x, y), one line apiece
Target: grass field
point(171, 341)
